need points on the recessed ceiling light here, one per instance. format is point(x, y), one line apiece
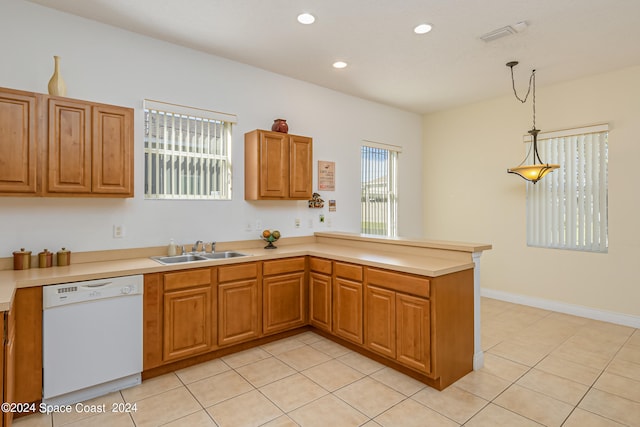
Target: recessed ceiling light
point(339, 64)
point(422, 29)
point(306, 18)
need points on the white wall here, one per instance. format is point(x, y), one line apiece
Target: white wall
point(469, 195)
point(105, 64)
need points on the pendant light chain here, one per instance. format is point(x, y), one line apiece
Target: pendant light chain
point(532, 83)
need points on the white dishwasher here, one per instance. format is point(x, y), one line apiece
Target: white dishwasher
point(92, 338)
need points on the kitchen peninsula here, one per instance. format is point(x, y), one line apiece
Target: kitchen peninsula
point(409, 303)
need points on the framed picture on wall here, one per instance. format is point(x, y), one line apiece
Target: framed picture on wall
point(326, 176)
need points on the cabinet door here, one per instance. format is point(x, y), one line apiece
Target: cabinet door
point(413, 332)
point(18, 139)
point(320, 300)
point(274, 165)
point(152, 320)
point(27, 304)
point(284, 302)
point(9, 384)
point(301, 167)
point(380, 320)
point(69, 160)
point(238, 312)
point(187, 322)
point(347, 309)
point(112, 165)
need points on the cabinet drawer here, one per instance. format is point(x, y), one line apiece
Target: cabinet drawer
point(320, 265)
point(288, 265)
point(414, 285)
point(228, 273)
point(187, 279)
point(349, 271)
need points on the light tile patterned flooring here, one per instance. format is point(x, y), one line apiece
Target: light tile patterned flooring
point(541, 368)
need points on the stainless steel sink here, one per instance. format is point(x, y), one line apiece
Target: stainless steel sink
point(220, 255)
point(180, 259)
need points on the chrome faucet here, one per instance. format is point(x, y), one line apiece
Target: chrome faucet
point(213, 246)
point(196, 245)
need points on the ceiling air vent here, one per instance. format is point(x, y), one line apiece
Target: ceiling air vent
point(498, 34)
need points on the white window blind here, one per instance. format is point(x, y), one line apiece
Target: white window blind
point(187, 152)
point(379, 201)
point(567, 209)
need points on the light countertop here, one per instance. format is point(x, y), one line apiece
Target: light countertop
point(420, 264)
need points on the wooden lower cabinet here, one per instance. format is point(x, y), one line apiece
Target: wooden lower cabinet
point(397, 326)
point(188, 315)
point(187, 322)
point(380, 321)
point(347, 302)
point(239, 311)
point(284, 295)
point(420, 325)
point(27, 303)
point(320, 293)
point(413, 334)
point(8, 361)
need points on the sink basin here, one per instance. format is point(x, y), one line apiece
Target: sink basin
point(179, 259)
point(220, 255)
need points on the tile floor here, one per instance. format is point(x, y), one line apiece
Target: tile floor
point(541, 368)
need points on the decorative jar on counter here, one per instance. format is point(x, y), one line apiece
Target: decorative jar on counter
point(45, 259)
point(63, 257)
point(21, 259)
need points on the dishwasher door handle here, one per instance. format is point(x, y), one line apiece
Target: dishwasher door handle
point(97, 285)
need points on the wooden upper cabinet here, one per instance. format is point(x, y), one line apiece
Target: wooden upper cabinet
point(85, 148)
point(112, 160)
point(90, 149)
point(300, 167)
point(278, 166)
point(18, 142)
point(69, 147)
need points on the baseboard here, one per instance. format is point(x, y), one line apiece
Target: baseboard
point(561, 307)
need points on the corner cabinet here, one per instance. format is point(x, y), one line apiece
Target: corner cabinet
point(62, 147)
point(347, 301)
point(284, 294)
point(278, 166)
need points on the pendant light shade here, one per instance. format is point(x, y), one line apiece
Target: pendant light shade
point(536, 171)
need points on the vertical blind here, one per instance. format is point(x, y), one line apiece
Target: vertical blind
point(187, 152)
point(567, 209)
point(379, 208)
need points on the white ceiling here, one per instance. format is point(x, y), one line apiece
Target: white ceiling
point(388, 63)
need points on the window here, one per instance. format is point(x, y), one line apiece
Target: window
point(187, 152)
point(567, 209)
point(379, 200)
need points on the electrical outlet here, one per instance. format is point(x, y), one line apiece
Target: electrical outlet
point(118, 231)
point(258, 225)
point(249, 227)
point(297, 222)
point(321, 218)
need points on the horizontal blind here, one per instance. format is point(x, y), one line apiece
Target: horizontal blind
point(568, 208)
point(379, 190)
point(187, 156)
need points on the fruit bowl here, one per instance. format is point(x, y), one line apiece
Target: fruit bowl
point(270, 236)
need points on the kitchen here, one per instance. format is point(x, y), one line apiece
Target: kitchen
point(109, 65)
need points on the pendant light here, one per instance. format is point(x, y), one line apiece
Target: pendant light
point(538, 169)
